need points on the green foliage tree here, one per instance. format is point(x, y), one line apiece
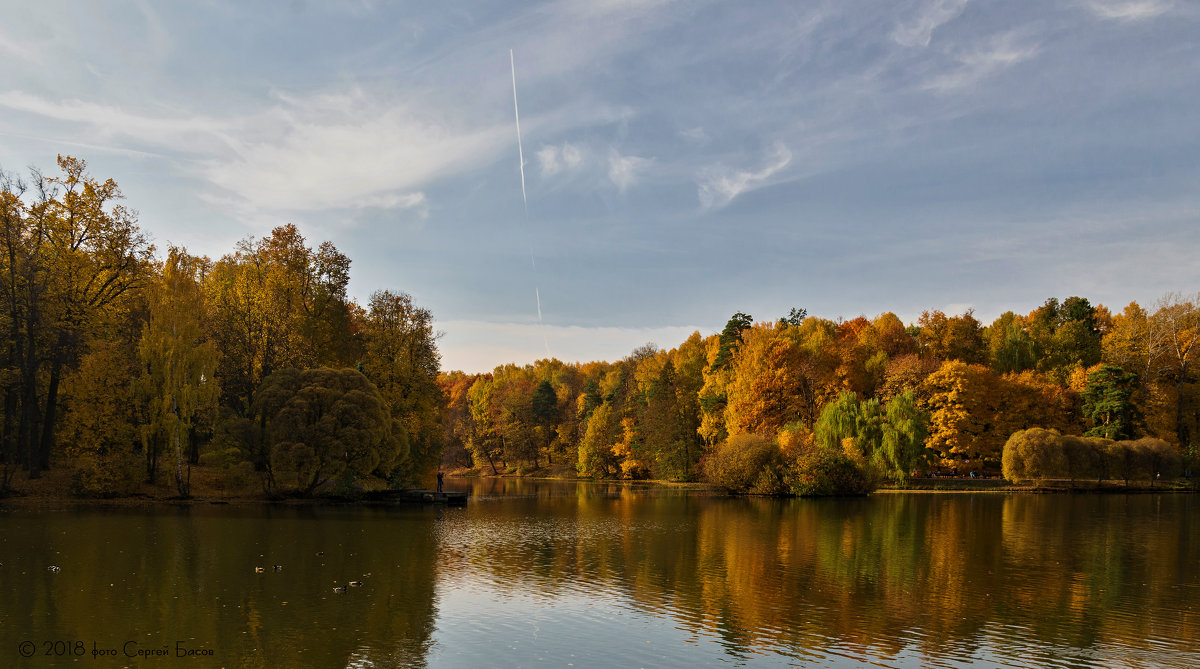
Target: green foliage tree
point(1107, 402)
point(1066, 335)
point(839, 421)
point(323, 423)
point(795, 316)
point(1010, 347)
point(902, 448)
point(730, 337)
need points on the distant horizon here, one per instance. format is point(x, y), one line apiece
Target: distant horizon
point(524, 330)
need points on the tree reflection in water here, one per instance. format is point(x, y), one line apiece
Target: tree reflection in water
point(610, 574)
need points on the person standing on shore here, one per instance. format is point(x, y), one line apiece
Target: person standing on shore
point(439, 483)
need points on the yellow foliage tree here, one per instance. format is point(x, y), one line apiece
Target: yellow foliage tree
point(178, 360)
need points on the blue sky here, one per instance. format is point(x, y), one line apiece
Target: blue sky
point(683, 160)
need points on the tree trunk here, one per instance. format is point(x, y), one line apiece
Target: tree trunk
point(193, 446)
point(491, 461)
point(9, 438)
point(1181, 428)
point(27, 430)
point(48, 419)
point(181, 484)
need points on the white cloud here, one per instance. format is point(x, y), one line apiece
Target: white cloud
point(463, 345)
point(919, 31)
point(599, 8)
point(336, 151)
point(623, 170)
point(20, 50)
point(1128, 10)
point(696, 134)
point(415, 201)
point(554, 159)
point(184, 132)
point(1003, 52)
point(323, 152)
point(718, 185)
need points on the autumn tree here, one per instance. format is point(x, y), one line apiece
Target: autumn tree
point(400, 357)
point(178, 361)
point(767, 385)
point(1175, 328)
point(100, 423)
point(72, 253)
point(951, 337)
point(277, 303)
point(543, 407)
point(485, 442)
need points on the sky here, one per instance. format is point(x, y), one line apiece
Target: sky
point(683, 160)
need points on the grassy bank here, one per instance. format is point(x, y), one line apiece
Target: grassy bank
point(208, 486)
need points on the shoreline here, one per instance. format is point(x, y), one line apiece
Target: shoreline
point(50, 493)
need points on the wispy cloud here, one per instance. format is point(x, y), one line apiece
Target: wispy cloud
point(414, 201)
point(919, 31)
point(559, 158)
point(623, 170)
point(597, 8)
point(19, 50)
point(1128, 10)
point(346, 150)
point(1001, 53)
point(719, 185)
point(338, 150)
point(183, 132)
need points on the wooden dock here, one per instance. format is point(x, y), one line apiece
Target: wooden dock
point(417, 496)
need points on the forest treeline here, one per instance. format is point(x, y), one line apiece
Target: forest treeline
point(127, 365)
point(124, 363)
point(807, 405)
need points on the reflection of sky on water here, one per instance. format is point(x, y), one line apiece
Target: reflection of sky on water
point(897, 581)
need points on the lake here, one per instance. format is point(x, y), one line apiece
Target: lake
point(559, 574)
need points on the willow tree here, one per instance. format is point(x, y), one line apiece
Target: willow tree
point(178, 362)
point(324, 423)
point(902, 448)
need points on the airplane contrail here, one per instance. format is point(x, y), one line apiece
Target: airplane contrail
point(512, 61)
point(517, 115)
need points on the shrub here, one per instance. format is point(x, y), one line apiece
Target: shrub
point(232, 471)
point(1157, 458)
point(109, 475)
point(1033, 454)
point(738, 464)
point(1084, 457)
point(1041, 454)
point(823, 472)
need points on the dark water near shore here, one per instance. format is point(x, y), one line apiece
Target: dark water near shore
point(560, 574)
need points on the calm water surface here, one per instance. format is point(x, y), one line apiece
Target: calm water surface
point(545, 574)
